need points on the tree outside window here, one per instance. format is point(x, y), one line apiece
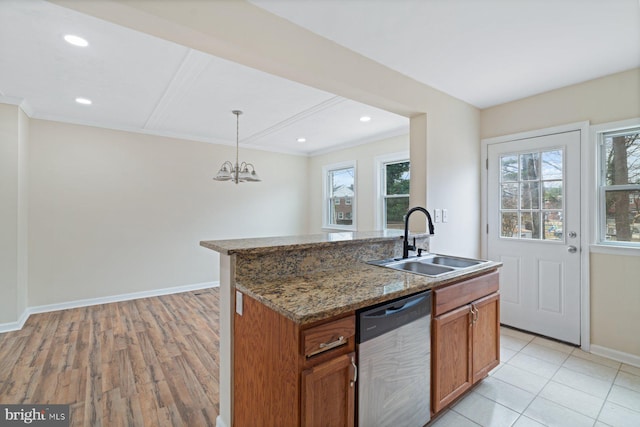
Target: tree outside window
point(531, 195)
point(395, 193)
point(620, 186)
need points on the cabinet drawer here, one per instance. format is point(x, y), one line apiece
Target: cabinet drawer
point(453, 296)
point(325, 337)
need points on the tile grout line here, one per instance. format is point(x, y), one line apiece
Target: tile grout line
point(607, 396)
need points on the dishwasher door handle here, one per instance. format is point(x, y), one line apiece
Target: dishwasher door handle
point(394, 310)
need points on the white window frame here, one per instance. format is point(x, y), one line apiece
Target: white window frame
point(599, 244)
point(379, 171)
point(326, 193)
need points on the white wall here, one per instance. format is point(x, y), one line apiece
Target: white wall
point(453, 177)
point(244, 33)
point(13, 212)
point(614, 278)
point(114, 212)
point(23, 212)
point(8, 211)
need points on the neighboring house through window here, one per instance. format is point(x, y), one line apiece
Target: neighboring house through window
point(339, 196)
point(393, 190)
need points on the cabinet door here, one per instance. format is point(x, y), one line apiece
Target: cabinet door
point(451, 356)
point(328, 393)
point(486, 335)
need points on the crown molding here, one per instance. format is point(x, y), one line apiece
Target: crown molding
point(333, 101)
point(192, 66)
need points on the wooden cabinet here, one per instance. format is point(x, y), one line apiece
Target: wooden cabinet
point(328, 393)
point(466, 337)
point(485, 336)
point(450, 357)
point(287, 375)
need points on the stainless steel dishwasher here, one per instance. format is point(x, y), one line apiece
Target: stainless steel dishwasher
point(394, 368)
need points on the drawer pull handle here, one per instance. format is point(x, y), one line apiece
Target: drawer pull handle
point(474, 314)
point(355, 373)
point(328, 346)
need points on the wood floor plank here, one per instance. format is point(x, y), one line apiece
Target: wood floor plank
point(147, 362)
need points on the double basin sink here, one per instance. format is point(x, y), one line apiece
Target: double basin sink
point(432, 265)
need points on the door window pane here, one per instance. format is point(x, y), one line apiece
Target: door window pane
point(553, 225)
point(531, 195)
point(509, 197)
point(509, 221)
point(552, 194)
point(509, 168)
point(552, 165)
point(529, 166)
point(529, 225)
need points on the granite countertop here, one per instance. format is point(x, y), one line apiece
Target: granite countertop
point(325, 294)
point(262, 245)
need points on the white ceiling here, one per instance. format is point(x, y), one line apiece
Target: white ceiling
point(485, 52)
point(142, 83)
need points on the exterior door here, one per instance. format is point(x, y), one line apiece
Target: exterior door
point(533, 212)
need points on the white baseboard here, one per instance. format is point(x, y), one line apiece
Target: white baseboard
point(220, 422)
point(629, 359)
point(14, 326)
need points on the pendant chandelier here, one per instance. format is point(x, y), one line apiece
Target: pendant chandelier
point(238, 172)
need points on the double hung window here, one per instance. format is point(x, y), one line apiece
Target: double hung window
point(339, 196)
point(619, 187)
point(394, 193)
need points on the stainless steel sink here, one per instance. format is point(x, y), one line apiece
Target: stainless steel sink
point(452, 261)
point(420, 268)
point(432, 265)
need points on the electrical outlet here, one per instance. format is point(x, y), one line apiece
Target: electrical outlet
point(437, 213)
point(239, 303)
point(445, 215)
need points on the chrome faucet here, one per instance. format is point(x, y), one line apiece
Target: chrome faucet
point(406, 247)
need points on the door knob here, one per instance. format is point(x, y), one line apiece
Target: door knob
point(572, 249)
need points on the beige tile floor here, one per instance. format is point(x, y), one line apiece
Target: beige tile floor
point(545, 383)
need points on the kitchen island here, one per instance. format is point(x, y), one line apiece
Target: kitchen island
point(282, 296)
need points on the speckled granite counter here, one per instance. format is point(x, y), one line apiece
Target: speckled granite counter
point(315, 277)
point(326, 294)
point(264, 245)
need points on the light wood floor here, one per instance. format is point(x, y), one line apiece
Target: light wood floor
point(147, 362)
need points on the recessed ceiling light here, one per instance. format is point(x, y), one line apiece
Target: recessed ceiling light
point(83, 101)
point(302, 139)
point(365, 118)
point(76, 40)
